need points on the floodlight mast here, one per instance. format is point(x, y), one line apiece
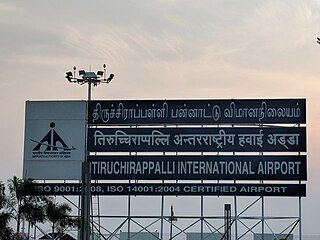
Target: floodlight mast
point(90, 78)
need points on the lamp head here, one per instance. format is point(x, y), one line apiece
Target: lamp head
point(110, 77)
point(100, 73)
point(69, 76)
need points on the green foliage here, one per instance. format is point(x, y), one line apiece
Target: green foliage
point(5, 214)
point(59, 216)
point(24, 202)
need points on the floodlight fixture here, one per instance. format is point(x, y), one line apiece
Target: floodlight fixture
point(69, 76)
point(110, 78)
point(91, 78)
point(100, 73)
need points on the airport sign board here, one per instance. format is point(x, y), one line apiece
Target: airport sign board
point(175, 189)
point(201, 139)
point(232, 111)
point(199, 167)
point(60, 135)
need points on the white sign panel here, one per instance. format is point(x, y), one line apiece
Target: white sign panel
point(54, 145)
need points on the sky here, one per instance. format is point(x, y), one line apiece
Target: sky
point(161, 49)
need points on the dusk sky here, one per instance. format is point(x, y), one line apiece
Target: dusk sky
point(161, 49)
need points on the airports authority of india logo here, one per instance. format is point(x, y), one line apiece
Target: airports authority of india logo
point(52, 146)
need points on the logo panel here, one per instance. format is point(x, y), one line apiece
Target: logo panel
point(52, 145)
point(54, 140)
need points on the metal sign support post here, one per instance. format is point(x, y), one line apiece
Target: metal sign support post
point(85, 201)
point(129, 215)
point(227, 221)
point(162, 215)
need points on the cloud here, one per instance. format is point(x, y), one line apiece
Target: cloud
point(8, 11)
point(226, 46)
point(158, 49)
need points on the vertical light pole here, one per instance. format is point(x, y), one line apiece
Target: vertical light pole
point(90, 78)
point(85, 201)
point(172, 219)
point(227, 221)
